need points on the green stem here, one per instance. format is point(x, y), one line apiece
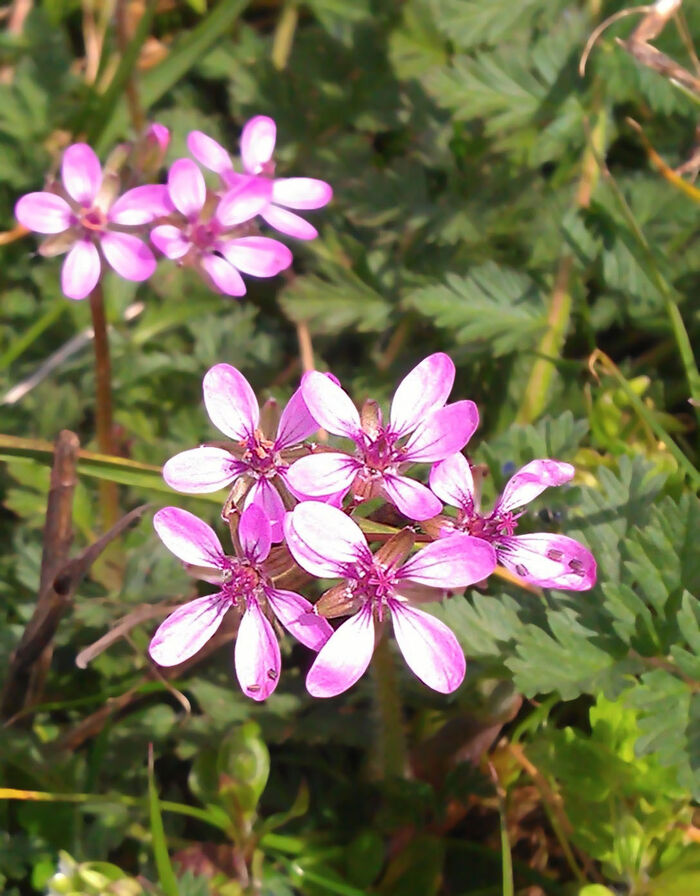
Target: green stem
point(391, 746)
point(680, 334)
point(109, 505)
point(536, 391)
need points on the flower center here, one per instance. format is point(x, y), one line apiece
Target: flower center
point(240, 581)
point(202, 234)
point(490, 528)
point(260, 455)
point(93, 219)
point(376, 584)
point(381, 452)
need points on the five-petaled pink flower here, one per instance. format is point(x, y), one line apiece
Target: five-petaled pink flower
point(206, 238)
point(383, 449)
point(86, 215)
point(257, 145)
point(245, 587)
point(542, 558)
point(262, 459)
point(327, 543)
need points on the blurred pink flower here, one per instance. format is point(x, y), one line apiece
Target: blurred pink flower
point(328, 544)
point(382, 449)
point(257, 145)
point(261, 458)
point(545, 559)
point(85, 216)
point(244, 587)
point(204, 238)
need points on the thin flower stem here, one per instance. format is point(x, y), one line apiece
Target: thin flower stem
point(282, 43)
point(392, 750)
point(536, 391)
point(109, 506)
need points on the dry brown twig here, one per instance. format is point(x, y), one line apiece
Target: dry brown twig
point(60, 577)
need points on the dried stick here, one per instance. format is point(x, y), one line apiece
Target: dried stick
point(61, 584)
point(25, 681)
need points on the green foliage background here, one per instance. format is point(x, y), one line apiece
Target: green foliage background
point(456, 135)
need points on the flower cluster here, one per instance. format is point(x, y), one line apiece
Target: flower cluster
point(290, 511)
point(212, 230)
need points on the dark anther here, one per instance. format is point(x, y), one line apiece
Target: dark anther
point(553, 554)
point(253, 688)
point(520, 569)
point(576, 567)
point(272, 674)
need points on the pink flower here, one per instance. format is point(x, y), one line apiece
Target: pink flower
point(545, 559)
point(204, 238)
point(284, 193)
point(382, 449)
point(327, 543)
point(261, 460)
point(244, 587)
point(84, 217)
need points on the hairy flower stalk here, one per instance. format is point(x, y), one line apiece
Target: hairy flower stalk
point(258, 460)
point(379, 587)
point(421, 429)
point(246, 587)
point(545, 559)
point(85, 218)
point(283, 193)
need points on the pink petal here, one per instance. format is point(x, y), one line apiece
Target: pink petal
point(187, 187)
point(423, 390)
point(255, 528)
point(531, 480)
point(44, 213)
point(548, 560)
point(453, 562)
point(412, 498)
point(170, 240)
point(128, 255)
point(301, 192)
point(187, 630)
point(257, 255)
point(189, 538)
point(452, 481)
point(258, 143)
point(430, 649)
point(297, 615)
point(296, 423)
point(443, 432)
point(81, 173)
point(201, 470)
point(246, 199)
point(81, 270)
point(330, 405)
point(257, 654)
point(289, 223)
point(209, 153)
point(323, 540)
point(265, 495)
point(230, 402)
point(141, 205)
point(324, 474)
point(223, 275)
point(344, 657)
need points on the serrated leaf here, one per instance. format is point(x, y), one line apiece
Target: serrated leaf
point(493, 307)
